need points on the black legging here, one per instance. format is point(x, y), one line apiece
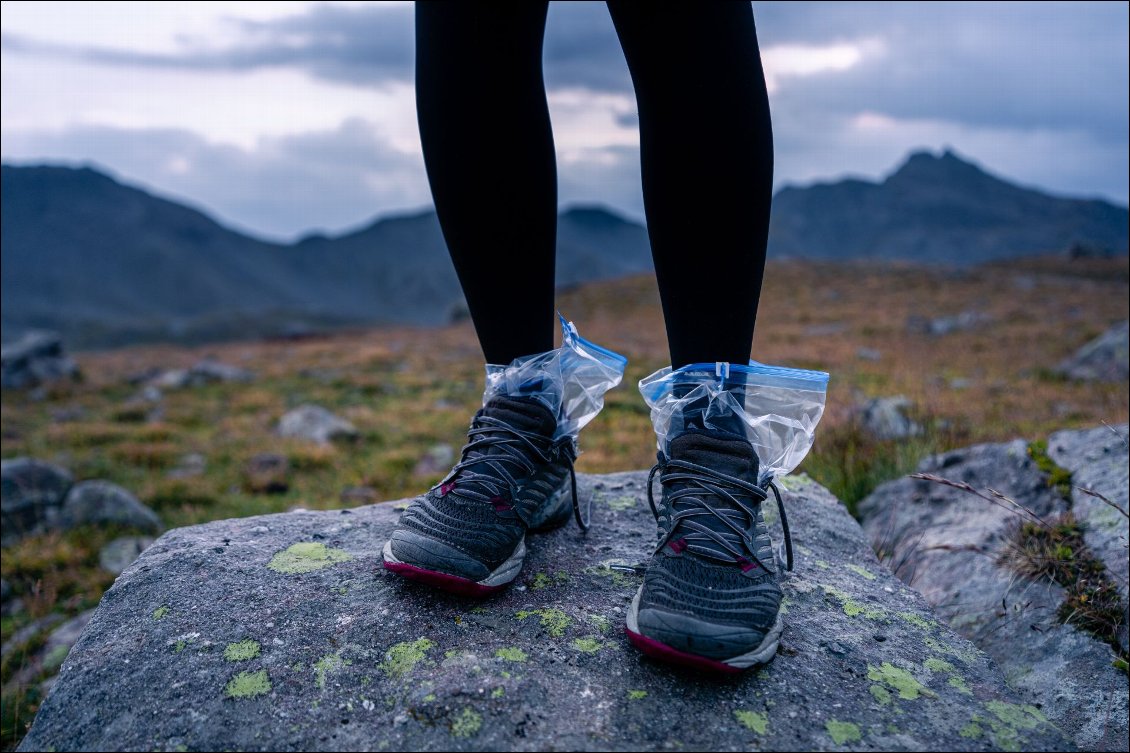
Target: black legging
point(706, 150)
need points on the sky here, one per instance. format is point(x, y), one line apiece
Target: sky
point(285, 118)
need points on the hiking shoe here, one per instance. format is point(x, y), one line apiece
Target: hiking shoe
point(467, 534)
point(710, 598)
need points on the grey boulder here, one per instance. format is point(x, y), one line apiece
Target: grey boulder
point(1105, 359)
point(886, 418)
point(31, 495)
point(106, 503)
point(283, 632)
point(35, 359)
point(315, 424)
point(120, 553)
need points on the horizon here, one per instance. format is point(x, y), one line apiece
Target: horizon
point(286, 119)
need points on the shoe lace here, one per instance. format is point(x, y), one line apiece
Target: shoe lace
point(508, 454)
point(740, 516)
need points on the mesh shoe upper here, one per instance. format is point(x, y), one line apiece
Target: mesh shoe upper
point(711, 586)
point(474, 520)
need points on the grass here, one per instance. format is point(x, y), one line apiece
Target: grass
point(409, 389)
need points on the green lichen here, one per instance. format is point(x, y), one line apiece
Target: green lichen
point(1018, 716)
point(429, 698)
point(916, 620)
point(880, 694)
point(618, 578)
point(306, 557)
point(241, 650)
point(602, 623)
point(511, 653)
point(587, 645)
point(248, 685)
point(959, 683)
point(753, 720)
point(468, 723)
point(553, 621)
point(403, 657)
point(180, 645)
point(842, 732)
point(330, 664)
point(823, 565)
point(898, 679)
point(861, 572)
point(55, 658)
point(619, 504)
point(498, 692)
point(972, 731)
point(298, 666)
point(637, 695)
point(966, 655)
point(851, 607)
point(935, 664)
point(160, 612)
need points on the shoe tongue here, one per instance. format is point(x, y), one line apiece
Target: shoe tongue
point(525, 413)
point(718, 450)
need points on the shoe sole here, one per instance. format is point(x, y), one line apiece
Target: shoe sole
point(763, 654)
point(502, 576)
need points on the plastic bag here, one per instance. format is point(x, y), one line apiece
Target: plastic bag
point(570, 380)
point(777, 408)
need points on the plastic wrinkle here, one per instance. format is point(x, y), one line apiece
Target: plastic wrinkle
point(570, 380)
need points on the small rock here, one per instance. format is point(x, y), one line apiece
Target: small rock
point(1104, 359)
point(828, 328)
point(62, 639)
point(101, 503)
point(35, 359)
point(32, 494)
point(266, 473)
point(121, 552)
point(437, 459)
point(190, 465)
point(960, 383)
point(316, 424)
point(868, 354)
point(206, 371)
point(885, 418)
point(359, 495)
point(946, 325)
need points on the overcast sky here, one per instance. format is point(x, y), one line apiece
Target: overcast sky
point(284, 117)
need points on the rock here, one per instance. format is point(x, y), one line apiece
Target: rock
point(1098, 460)
point(103, 503)
point(958, 550)
point(35, 359)
point(437, 459)
point(31, 494)
point(1104, 359)
point(283, 632)
point(62, 639)
point(885, 418)
point(316, 424)
point(868, 354)
point(5, 590)
point(946, 325)
point(120, 553)
point(359, 495)
point(189, 465)
point(206, 371)
point(266, 473)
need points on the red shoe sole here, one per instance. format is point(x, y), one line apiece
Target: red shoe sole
point(663, 652)
point(449, 583)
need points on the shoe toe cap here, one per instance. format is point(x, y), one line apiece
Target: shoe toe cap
point(416, 549)
point(700, 637)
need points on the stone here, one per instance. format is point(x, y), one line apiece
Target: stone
point(868, 354)
point(283, 632)
point(120, 553)
point(266, 473)
point(205, 371)
point(35, 359)
point(31, 495)
point(959, 551)
point(1098, 460)
point(946, 325)
point(1104, 359)
point(886, 418)
point(189, 465)
point(315, 424)
point(106, 503)
point(438, 459)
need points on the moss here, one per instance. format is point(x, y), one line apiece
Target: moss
point(1122, 665)
point(248, 685)
point(753, 720)
point(553, 621)
point(160, 612)
point(957, 682)
point(880, 694)
point(898, 679)
point(467, 724)
point(1058, 478)
point(510, 653)
point(587, 645)
point(306, 557)
point(842, 732)
point(637, 695)
point(498, 692)
point(328, 665)
point(403, 657)
point(180, 645)
point(972, 731)
point(861, 571)
point(241, 650)
point(540, 581)
point(601, 623)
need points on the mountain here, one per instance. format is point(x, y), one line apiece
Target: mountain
point(938, 209)
point(106, 263)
